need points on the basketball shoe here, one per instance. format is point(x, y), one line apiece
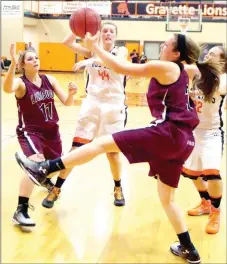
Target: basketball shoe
point(192, 256)
point(119, 199)
point(21, 216)
point(37, 171)
point(48, 184)
point(201, 209)
point(48, 202)
point(213, 224)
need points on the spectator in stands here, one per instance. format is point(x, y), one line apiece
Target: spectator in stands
point(2, 64)
point(134, 56)
point(5, 63)
point(30, 47)
point(143, 58)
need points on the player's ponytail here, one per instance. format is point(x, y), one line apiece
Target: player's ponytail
point(223, 56)
point(21, 61)
point(208, 79)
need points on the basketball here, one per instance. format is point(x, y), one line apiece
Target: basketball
point(85, 20)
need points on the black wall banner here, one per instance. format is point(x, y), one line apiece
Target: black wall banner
point(160, 9)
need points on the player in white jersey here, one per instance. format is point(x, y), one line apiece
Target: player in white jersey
point(203, 166)
point(103, 111)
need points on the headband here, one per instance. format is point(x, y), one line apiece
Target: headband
point(181, 46)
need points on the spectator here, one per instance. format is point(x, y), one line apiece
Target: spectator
point(2, 64)
point(134, 56)
point(30, 47)
point(5, 63)
point(143, 58)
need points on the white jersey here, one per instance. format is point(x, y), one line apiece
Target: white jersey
point(210, 114)
point(103, 83)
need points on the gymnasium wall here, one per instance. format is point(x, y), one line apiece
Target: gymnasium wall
point(48, 34)
point(12, 25)
point(29, 32)
point(55, 30)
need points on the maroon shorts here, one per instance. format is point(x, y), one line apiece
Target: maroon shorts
point(165, 146)
point(32, 143)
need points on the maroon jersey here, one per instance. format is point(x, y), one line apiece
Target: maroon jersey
point(168, 141)
point(36, 110)
point(172, 102)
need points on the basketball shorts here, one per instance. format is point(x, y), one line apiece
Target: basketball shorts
point(98, 118)
point(164, 146)
point(205, 160)
point(34, 143)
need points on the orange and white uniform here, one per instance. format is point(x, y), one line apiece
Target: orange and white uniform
point(103, 111)
point(205, 160)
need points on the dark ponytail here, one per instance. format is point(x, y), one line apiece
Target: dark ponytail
point(208, 80)
point(223, 57)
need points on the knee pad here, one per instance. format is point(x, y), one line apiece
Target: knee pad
point(211, 177)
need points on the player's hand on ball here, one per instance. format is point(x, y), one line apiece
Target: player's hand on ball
point(72, 88)
point(91, 40)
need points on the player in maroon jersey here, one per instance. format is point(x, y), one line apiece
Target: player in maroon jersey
point(167, 142)
point(37, 130)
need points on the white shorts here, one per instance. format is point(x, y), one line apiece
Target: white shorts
point(205, 160)
point(97, 118)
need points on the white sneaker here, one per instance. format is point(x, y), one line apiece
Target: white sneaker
point(21, 216)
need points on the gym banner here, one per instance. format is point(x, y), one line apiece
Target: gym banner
point(102, 7)
point(50, 7)
point(123, 8)
point(160, 9)
point(12, 8)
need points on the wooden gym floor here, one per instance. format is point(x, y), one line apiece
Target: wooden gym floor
point(85, 226)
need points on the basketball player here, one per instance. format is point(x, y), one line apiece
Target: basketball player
point(103, 112)
point(37, 130)
point(167, 142)
point(203, 165)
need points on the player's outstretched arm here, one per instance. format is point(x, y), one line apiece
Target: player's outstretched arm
point(69, 41)
point(66, 99)
point(165, 72)
point(12, 84)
